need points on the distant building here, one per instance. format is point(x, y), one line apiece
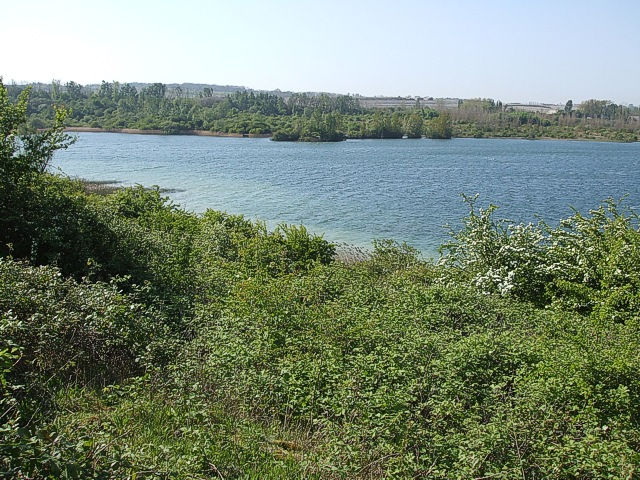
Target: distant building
point(546, 108)
point(408, 102)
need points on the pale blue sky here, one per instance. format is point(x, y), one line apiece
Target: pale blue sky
point(510, 50)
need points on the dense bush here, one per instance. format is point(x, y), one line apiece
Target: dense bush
point(402, 371)
point(58, 333)
point(586, 263)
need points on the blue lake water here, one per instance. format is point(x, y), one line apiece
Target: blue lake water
point(358, 190)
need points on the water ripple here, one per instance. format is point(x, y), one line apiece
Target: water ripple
point(356, 191)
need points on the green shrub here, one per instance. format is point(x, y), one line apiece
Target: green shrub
point(73, 332)
point(583, 263)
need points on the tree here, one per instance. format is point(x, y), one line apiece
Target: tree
point(106, 90)
point(414, 124)
point(598, 108)
point(24, 156)
point(568, 106)
point(440, 127)
point(55, 89)
point(74, 90)
point(31, 151)
point(155, 90)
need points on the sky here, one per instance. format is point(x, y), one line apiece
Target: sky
point(520, 50)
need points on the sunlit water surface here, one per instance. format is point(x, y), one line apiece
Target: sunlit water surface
point(358, 190)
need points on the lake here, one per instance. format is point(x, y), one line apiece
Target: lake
point(358, 190)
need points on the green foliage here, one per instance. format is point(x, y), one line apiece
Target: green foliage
point(23, 153)
point(414, 373)
point(138, 340)
point(585, 263)
point(171, 436)
point(414, 125)
point(320, 127)
point(500, 257)
point(568, 106)
point(55, 333)
point(389, 256)
point(288, 135)
point(440, 127)
point(601, 109)
point(87, 332)
point(561, 126)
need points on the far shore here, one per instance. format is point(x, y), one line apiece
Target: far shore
point(139, 131)
point(208, 133)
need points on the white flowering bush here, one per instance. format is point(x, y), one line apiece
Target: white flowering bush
point(583, 263)
point(500, 256)
point(594, 260)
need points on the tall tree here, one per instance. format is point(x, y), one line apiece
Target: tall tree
point(414, 125)
point(568, 106)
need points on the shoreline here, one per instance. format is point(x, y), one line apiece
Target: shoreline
point(604, 140)
point(347, 253)
point(139, 131)
point(107, 187)
point(207, 133)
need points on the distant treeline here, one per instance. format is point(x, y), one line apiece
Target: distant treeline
point(314, 117)
point(592, 119)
